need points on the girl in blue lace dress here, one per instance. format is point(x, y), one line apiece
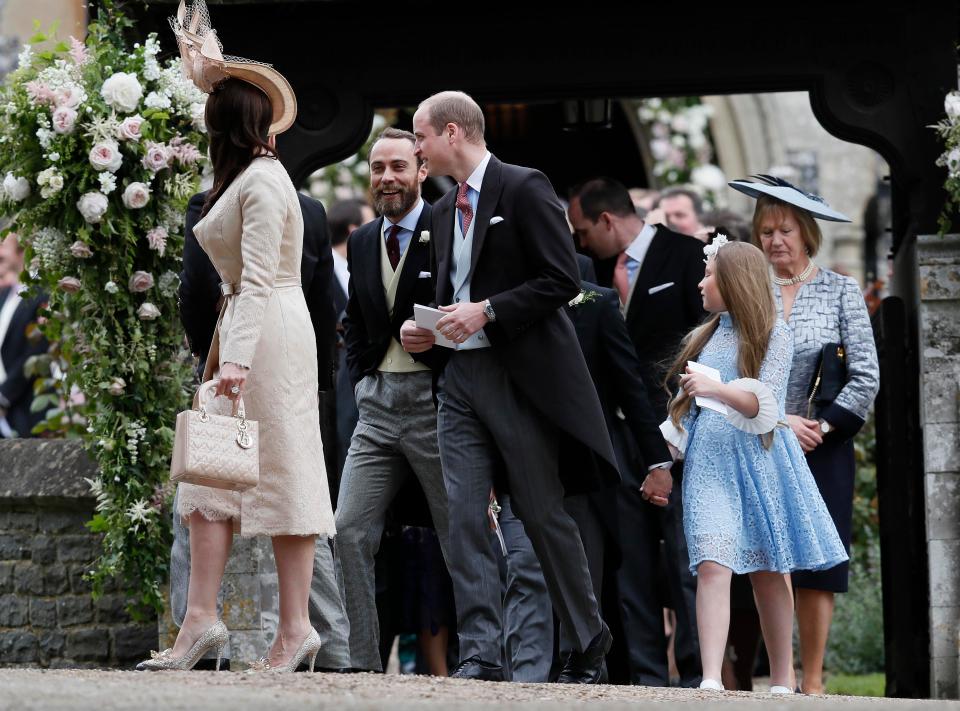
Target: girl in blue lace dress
point(750, 503)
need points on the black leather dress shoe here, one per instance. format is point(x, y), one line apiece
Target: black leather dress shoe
point(588, 666)
point(476, 668)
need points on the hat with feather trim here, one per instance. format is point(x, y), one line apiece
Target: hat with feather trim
point(782, 190)
point(206, 66)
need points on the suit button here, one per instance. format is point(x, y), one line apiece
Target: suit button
point(480, 337)
point(457, 299)
point(389, 361)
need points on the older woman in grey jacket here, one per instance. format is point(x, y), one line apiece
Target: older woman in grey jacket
point(822, 307)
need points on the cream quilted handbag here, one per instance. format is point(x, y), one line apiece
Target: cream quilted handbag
point(213, 450)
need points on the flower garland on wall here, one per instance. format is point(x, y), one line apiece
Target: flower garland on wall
point(949, 130)
point(679, 133)
point(101, 146)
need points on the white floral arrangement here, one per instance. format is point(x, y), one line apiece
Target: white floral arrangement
point(949, 130)
point(101, 146)
point(680, 145)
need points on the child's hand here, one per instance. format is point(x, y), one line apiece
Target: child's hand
point(694, 384)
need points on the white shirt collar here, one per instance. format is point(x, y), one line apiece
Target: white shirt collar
point(475, 180)
point(341, 269)
point(641, 243)
point(409, 221)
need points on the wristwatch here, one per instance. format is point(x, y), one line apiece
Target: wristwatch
point(825, 427)
point(488, 310)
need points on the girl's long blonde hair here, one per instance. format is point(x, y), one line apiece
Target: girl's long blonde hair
point(743, 279)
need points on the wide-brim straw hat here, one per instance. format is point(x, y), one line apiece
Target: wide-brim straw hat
point(782, 190)
point(206, 66)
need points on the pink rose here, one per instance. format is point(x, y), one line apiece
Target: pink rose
point(157, 238)
point(80, 250)
point(70, 96)
point(129, 129)
point(157, 157)
point(136, 196)
point(140, 282)
point(106, 156)
point(64, 119)
point(71, 285)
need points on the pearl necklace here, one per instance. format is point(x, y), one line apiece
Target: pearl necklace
point(798, 279)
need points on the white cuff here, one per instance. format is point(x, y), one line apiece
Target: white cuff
point(660, 465)
point(674, 435)
point(767, 415)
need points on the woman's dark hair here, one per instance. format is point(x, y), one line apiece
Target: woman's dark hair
point(238, 119)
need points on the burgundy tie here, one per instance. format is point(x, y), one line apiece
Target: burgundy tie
point(393, 246)
point(466, 210)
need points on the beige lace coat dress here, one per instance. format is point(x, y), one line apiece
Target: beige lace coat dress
point(254, 237)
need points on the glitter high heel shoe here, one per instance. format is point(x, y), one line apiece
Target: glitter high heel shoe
point(310, 647)
point(217, 636)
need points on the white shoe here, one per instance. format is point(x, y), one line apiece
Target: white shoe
point(781, 690)
point(712, 685)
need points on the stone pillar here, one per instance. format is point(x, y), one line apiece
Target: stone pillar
point(938, 318)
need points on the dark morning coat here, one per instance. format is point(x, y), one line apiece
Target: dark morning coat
point(525, 265)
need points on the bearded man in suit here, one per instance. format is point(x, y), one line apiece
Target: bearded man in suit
point(516, 402)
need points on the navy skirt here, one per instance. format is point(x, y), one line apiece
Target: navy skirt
point(833, 466)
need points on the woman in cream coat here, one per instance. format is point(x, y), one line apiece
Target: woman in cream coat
point(252, 230)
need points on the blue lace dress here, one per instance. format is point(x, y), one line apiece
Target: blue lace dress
point(746, 507)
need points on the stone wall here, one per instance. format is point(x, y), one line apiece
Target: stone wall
point(938, 267)
point(47, 615)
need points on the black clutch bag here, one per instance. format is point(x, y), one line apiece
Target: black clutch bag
point(830, 378)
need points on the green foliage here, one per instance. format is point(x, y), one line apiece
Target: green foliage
point(856, 636)
point(117, 371)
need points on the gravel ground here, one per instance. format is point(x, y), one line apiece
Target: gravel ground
point(34, 689)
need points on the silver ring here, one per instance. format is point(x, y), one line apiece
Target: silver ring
point(235, 390)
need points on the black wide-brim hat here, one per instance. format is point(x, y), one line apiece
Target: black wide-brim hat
point(782, 190)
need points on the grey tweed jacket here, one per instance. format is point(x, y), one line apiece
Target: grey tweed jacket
point(830, 309)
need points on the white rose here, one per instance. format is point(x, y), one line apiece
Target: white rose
point(122, 91)
point(156, 100)
point(56, 182)
point(157, 157)
point(129, 129)
point(952, 104)
point(106, 156)
point(64, 119)
point(16, 188)
point(148, 312)
point(198, 116)
point(93, 206)
point(709, 177)
point(136, 195)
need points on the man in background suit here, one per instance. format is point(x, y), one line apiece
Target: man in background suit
point(396, 435)
point(656, 277)
point(17, 344)
point(344, 216)
point(199, 308)
point(516, 402)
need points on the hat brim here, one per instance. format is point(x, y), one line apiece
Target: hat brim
point(274, 85)
point(791, 196)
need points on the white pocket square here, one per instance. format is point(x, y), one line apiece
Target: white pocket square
point(495, 220)
point(661, 287)
point(423, 275)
